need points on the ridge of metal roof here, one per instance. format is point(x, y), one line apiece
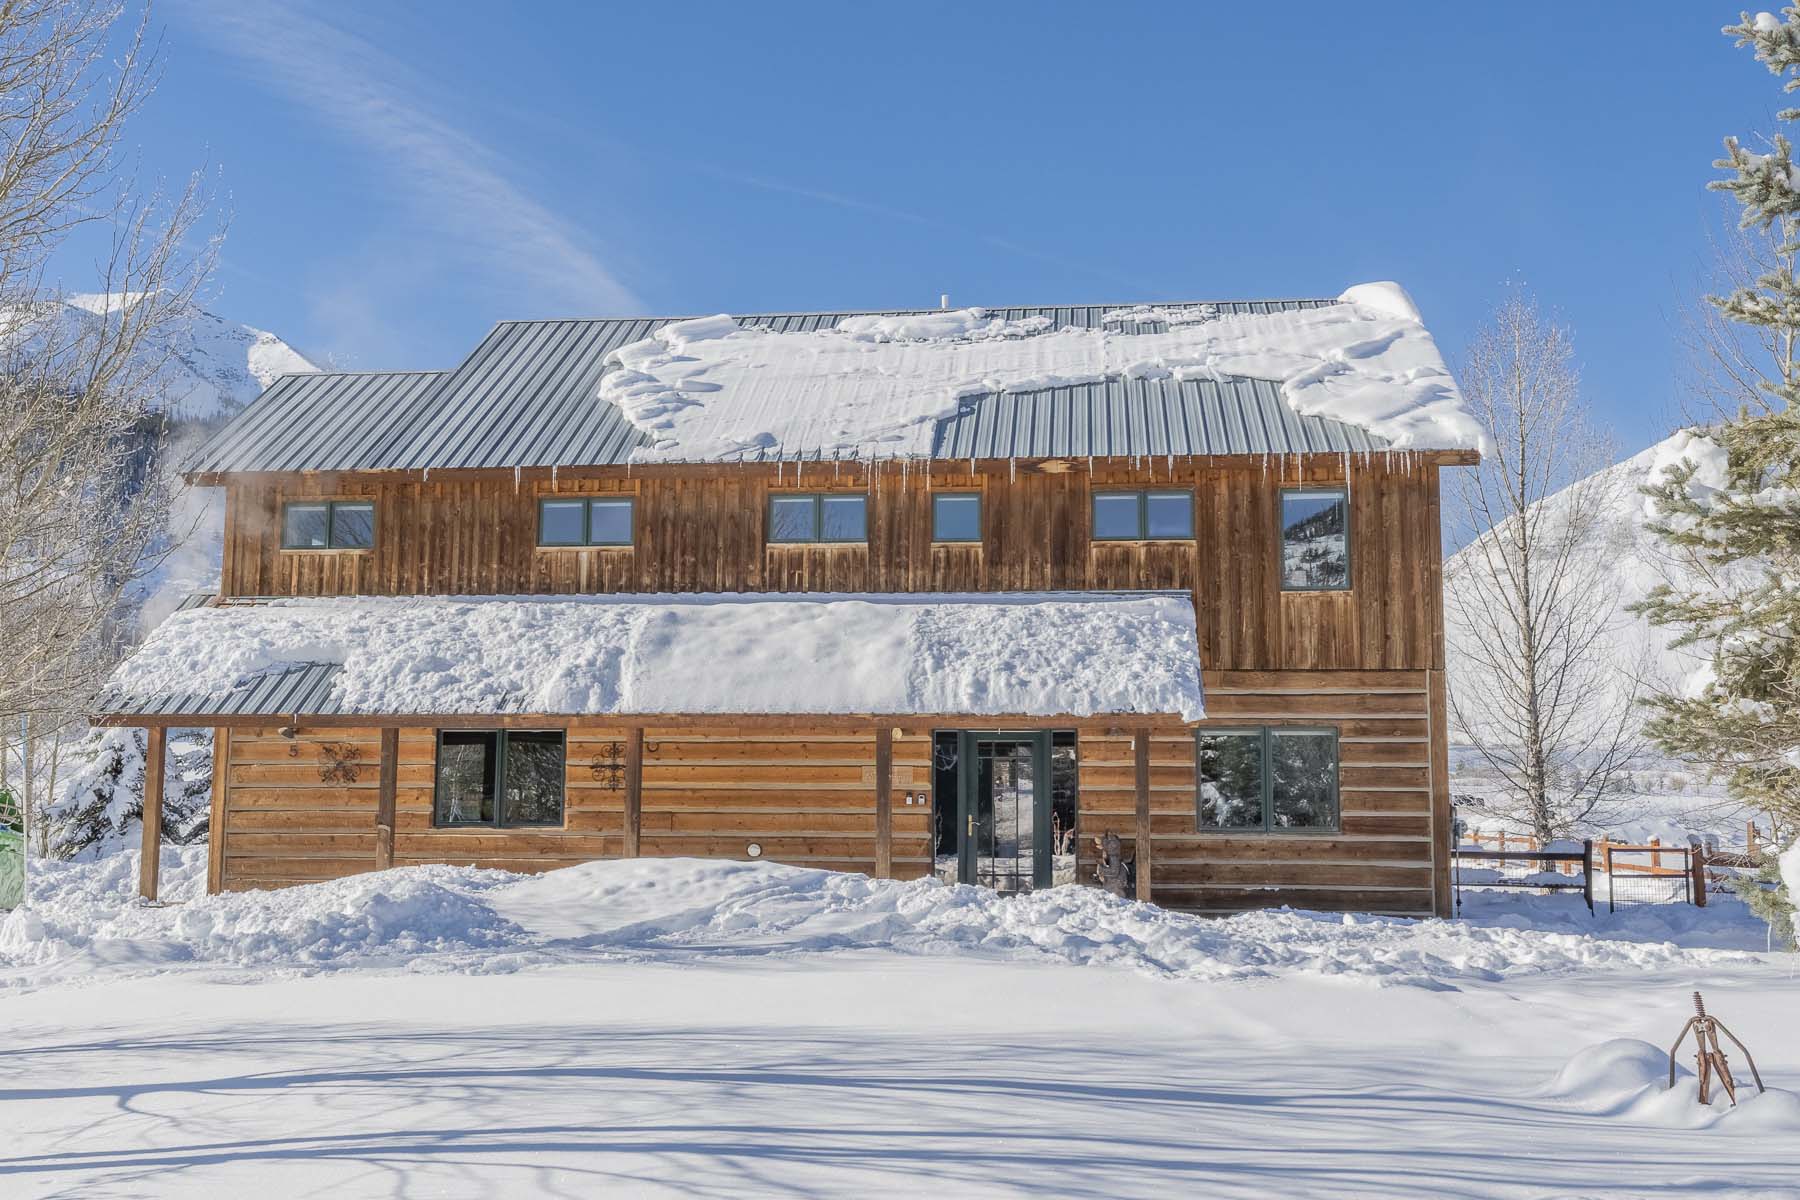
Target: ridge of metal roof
point(1278, 302)
point(526, 395)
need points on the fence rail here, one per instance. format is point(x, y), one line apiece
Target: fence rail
point(1558, 870)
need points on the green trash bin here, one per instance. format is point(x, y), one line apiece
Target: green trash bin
point(12, 852)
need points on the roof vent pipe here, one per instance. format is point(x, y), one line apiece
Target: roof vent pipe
point(944, 301)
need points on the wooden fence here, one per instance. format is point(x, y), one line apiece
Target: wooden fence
point(1647, 861)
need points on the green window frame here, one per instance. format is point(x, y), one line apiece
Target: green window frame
point(1293, 796)
point(511, 759)
point(827, 508)
point(1152, 511)
point(342, 530)
point(588, 536)
point(938, 504)
point(1294, 566)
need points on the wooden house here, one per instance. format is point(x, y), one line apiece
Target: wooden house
point(899, 593)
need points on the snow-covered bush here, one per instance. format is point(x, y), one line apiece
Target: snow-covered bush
point(99, 808)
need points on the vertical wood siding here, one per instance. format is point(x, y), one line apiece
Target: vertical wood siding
point(705, 533)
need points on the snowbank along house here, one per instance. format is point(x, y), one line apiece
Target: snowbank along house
point(954, 592)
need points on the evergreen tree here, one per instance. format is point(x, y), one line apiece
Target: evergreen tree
point(1729, 507)
point(101, 808)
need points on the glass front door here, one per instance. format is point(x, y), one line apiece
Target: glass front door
point(1004, 834)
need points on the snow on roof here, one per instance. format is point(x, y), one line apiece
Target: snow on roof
point(875, 386)
point(1016, 654)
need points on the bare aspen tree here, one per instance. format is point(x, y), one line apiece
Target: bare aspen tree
point(1527, 605)
point(84, 497)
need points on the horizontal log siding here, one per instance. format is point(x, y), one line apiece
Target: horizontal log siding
point(304, 809)
point(804, 796)
point(703, 531)
point(1381, 858)
point(300, 809)
point(593, 811)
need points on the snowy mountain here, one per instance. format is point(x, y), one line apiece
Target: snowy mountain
point(216, 365)
point(1629, 563)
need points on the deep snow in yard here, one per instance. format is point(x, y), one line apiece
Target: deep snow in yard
point(723, 1029)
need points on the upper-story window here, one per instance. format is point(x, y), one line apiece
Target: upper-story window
point(818, 517)
point(328, 525)
point(1143, 516)
point(1315, 539)
point(1267, 780)
point(956, 516)
point(595, 521)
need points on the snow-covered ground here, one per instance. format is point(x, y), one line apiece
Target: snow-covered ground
point(723, 1029)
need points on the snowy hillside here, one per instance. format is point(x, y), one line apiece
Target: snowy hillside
point(216, 365)
point(1631, 563)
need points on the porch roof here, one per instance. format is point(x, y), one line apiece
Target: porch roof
point(1032, 654)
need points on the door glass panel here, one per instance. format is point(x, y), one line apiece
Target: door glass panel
point(1064, 781)
point(534, 779)
point(465, 778)
point(1005, 829)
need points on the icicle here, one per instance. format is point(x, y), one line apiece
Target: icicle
point(554, 468)
point(425, 476)
point(516, 480)
point(1012, 468)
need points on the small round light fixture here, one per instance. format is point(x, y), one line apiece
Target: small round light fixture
point(754, 849)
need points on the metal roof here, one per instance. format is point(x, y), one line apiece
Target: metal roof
point(304, 688)
point(528, 396)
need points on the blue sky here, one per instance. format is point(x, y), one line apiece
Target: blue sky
point(402, 175)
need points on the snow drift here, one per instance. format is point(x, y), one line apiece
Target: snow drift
point(1026, 654)
point(710, 389)
point(82, 917)
point(1629, 1079)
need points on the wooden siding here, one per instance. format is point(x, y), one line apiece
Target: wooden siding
point(1381, 858)
point(307, 808)
point(297, 810)
point(703, 531)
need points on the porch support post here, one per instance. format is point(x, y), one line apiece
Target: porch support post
point(385, 799)
point(215, 829)
point(634, 790)
point(884, 803)
point(149, 867)
point(1140, 751)
point(1443, 838)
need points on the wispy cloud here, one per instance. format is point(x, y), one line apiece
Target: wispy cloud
point(447, 179)
point(1139, 289)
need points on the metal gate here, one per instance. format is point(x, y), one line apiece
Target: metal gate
point(1648, 875)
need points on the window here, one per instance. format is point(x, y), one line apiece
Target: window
point(499, 777)
point(328, 525)
point(1142, 516)
point(1315, 540)
point(956, 516)
point(1267, 780)
point(818, 517)
point(603, 521)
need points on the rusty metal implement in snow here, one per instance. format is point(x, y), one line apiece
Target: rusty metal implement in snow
point(1709, 1057)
